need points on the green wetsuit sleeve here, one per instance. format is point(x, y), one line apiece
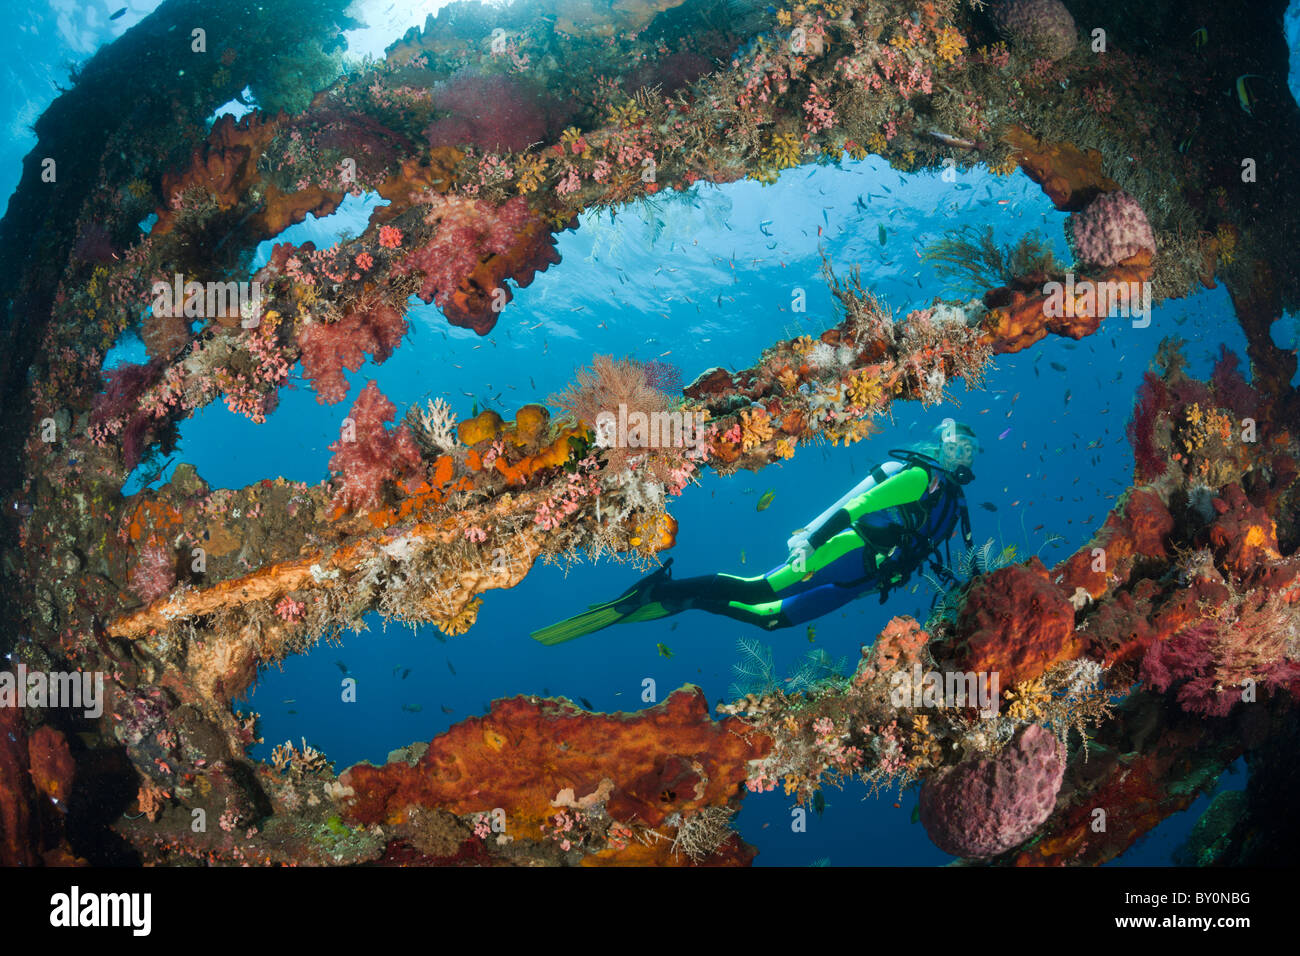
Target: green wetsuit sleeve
point(903, 488)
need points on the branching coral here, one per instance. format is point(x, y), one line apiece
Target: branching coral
point(700, 834)
point(434, 426)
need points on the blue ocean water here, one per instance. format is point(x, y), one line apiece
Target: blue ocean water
point(1051, 421)
point(701, 280)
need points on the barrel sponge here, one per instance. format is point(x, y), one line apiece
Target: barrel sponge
point(1044, 25)
point(1111, 229)
point(986, 805)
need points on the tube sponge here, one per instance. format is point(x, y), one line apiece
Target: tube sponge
point(988, 804)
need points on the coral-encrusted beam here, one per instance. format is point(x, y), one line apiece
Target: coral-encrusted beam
point(601, 774)
point(323, 568)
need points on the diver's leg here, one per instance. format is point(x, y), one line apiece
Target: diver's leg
point(788, 611)
point(834, 572)
point(838, 559)
point(691, 592)
point(810, 605)
point(838, 556)
point(767, 615)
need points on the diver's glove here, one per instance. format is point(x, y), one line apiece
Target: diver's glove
point(801, 549)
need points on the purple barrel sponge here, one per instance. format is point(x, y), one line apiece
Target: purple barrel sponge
point(987, 805)
point(1111, 229)
point(1044, 25)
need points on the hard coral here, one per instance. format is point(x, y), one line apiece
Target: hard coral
point(329, 348)
point(1044, 25)
point(987, 805)
point(372, 455)
point(1112, 229)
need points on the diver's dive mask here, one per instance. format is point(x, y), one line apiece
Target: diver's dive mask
point(957, 447)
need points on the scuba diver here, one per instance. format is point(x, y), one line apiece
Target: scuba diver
point(871, 540)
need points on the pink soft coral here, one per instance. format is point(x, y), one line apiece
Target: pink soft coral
point(374, 455)
point(327, 349)
point(154, 573)
point(469, 233)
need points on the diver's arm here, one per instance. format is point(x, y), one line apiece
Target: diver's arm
point(803, 534)
point(902, 488)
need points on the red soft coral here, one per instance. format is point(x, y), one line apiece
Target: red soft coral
point(491, 112)
point(117, 410)
point(1230, 388)
point(369, 455)
point(327, 349)
point(1216, 658)
point(1153, 398)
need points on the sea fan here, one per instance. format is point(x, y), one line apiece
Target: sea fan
point(1230, 388)
point(816, 668)
point(973, 262)
point(755, 671)
point(603, 388)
